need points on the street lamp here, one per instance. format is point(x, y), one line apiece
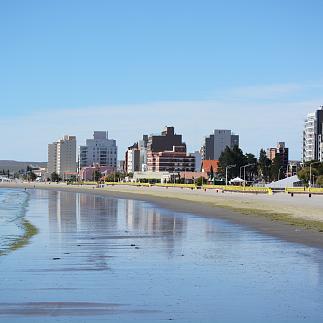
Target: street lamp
point(226, 173)
point(279, 171)
point(244, 171)
point(310, 181)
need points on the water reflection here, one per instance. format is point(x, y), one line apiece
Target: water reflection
point(107, 219)
point(96, 250)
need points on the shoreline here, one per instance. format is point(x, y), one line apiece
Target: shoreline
point(21, 240)
point(253, 212)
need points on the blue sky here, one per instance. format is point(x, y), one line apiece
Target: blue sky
point(132, 67)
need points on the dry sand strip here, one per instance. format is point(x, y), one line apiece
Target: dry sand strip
point(297, 219)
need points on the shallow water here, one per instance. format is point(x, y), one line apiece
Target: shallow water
point(105, 259)
point(12, 208)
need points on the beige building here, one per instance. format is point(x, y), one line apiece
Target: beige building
point(62, 157)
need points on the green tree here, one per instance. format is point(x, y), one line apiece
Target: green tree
point(211, 173)
point(200, 181)
point(304, 174)
point(97, 175)
point(228, 157)
point(252, 170)
point(319, 181)
point(54, 177)
point(32, 176)
point(277, 170)
point(264, 165)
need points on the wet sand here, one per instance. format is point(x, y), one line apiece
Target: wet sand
point(101, 257)
point(245, 209)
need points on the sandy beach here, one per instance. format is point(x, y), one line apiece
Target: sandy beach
point(297, 219)
point(127, 254)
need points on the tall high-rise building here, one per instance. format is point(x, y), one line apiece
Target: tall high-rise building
point(62, 157)
point(136, 156)
point(216, 143)
point(167, 153)
point(313, 136)
point(99, 151)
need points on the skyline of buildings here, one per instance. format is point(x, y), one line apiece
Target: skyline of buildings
point(166, 152)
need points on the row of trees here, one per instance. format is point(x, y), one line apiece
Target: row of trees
point(312, 172)
point(259, 169)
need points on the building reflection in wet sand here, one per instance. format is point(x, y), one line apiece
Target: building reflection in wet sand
point(97, 220)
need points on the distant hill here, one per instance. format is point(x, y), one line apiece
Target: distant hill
point(15, 166)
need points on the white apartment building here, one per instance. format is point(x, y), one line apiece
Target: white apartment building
point(62, 157)
point(309, 138)
point(100, 150)
point(313, 136)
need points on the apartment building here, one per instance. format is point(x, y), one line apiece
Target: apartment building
point(167, 153)
point(313, 136)
point(99, 151)
point(62, 157)
point(216, 143)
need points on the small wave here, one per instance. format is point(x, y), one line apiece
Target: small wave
point(15, 230)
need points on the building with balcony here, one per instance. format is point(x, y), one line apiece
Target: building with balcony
point(99, 151)
point(136, 156)
point(167, 153)
point(313, 136)
point(62, 157)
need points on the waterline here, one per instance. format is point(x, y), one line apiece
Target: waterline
point(15, 231)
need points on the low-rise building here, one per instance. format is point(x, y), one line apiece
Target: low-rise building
point(88, 173)
point(148, 176)
point(209, 165)
point(191, 177)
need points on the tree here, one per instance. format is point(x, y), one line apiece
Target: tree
point(319, 181)
point(97, 175)
point(114, 177)
point(252, 170)
point(200, 181)
point(304, 174)
point(32, 176)
point(232, 156)
point(54, 177)
point(277, 170)
point(211, 173)
point(264, 165)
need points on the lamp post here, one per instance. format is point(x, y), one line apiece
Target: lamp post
point(226, 173)
point(310, 181)
point(244, 172)
point(279, 171)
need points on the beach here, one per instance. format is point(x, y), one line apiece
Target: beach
point(104, 256)
point(298, 218)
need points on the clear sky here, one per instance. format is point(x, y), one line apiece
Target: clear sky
point(132, 67)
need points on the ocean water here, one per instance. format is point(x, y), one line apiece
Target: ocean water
point(13, 205)
point(101, 259)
